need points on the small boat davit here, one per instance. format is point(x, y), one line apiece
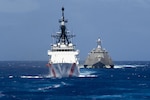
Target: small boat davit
point(98, 58)
point(63, 60)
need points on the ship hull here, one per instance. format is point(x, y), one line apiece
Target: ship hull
point(99, 65)
point(98, 58)
point(63, 70)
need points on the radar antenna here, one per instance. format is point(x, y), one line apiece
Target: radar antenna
point(99, 43)
point(63, 36)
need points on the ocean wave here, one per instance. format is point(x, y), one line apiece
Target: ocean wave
point(31, 76)
point(87, 74)
point(49, 87)
point(129, 66)
point(39, 77)
point(105, 97)
point(10, 76)
point(1, 94)
point(53, 86)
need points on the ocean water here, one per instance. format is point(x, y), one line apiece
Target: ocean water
point(29, 80)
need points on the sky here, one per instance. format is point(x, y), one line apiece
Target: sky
point(123, 26)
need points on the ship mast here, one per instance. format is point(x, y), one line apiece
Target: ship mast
point(63, 36)
point(99, 43)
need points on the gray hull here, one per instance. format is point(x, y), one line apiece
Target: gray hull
point(99, 65)
point(98, 58)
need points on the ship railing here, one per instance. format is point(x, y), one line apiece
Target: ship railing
point(63, 50)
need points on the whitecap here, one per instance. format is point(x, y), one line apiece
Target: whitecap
point(44, 88)
point(31, 76)
point(117, 66)
point(128, 66)
point(53, 86)
point(124, 66)
point(49, 87)
point(87, 73)
point(56, 86)
point(10, 76)
point(106, 96)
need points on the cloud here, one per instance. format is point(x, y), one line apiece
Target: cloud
point(15, 6)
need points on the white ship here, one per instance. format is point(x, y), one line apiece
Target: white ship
point(63, 60)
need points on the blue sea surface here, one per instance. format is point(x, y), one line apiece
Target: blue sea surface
point(29, 80)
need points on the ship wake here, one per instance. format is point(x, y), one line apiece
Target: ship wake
point(129, 66)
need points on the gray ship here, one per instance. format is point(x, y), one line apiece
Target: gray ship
point(98, 58)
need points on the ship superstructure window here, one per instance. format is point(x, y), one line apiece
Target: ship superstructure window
point(63, 50)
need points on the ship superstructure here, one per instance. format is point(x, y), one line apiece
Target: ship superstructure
point(98, 58)
point(63, 60)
